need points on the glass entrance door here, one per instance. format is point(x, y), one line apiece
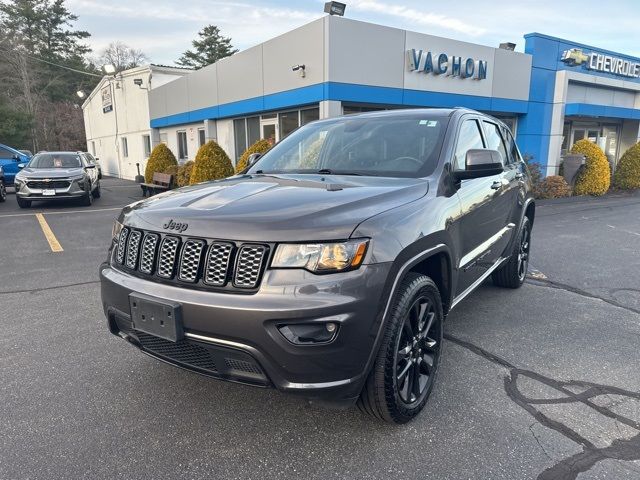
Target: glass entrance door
point(269, 129)
point(610, 143)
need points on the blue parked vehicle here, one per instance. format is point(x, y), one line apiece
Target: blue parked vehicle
point(11, 161)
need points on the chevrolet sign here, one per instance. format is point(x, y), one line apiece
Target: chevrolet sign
point(443, 64)
point(602, 63)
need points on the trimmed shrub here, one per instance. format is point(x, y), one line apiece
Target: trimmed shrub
point(627, 174)
point(595, 177)
point(173, 171)
point(160, 160)
point(260, 146)
point(212, 163)
point(554, 186)
point(184, 173)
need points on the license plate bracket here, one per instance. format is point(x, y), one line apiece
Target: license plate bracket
point(157, 317)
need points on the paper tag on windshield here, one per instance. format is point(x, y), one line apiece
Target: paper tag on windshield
point(429, 123)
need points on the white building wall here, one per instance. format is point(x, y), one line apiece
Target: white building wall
point(128, 119)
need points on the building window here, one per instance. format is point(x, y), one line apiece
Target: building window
point(253, 130)
point(146, 144)
point(202, 139)
point(288, 122)
point(309, 115)
point(93, 148)
point(125, 147)
point(240, 135)
point(183, 153)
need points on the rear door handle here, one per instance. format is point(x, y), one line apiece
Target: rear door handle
point(519, 176)
point(497, 185)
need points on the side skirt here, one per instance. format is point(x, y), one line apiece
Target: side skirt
point(475, 284)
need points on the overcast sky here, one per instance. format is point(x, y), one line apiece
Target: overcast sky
point(163, 29)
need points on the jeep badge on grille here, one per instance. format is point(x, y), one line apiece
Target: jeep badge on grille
point(177, 226)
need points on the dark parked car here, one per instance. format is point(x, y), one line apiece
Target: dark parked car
point(57, 176)
point(327, 269)
point(3, 188)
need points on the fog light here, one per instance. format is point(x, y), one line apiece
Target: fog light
point(309, 333)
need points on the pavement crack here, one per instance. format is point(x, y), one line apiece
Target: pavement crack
point(570, 467)
point(538, 441)
point(43, 289)
point(568, 288)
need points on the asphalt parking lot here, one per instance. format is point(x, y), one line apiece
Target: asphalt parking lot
point(541, 382)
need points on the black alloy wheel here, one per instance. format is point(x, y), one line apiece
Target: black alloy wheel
point(514, 272)
point(523, 252)
point(404, 371)
point(417, 351)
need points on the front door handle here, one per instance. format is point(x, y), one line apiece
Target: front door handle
point(497, 185)
point(519, 176)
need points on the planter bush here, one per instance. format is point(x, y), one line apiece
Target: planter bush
point(160, 160)
point(595, 177)
point(212, 163)
point(554, 186)
point(173, 171)
point(184, 173)
point(260, 146)
point(627, 174)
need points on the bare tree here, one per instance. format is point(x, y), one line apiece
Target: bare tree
point(122, 56)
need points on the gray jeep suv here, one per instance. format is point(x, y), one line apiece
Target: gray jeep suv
point(328, 268)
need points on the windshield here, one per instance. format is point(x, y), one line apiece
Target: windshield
point(56, 160)
point(391, 146)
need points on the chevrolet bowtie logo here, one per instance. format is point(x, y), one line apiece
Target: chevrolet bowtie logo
point(574, 56)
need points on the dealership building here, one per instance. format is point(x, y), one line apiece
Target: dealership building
point(554, 94)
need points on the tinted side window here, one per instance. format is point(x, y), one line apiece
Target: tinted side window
point(469, 138)
point(513, 148)
point(4, 153)
point(494, 140)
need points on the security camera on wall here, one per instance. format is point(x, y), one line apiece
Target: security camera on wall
point(300, 69)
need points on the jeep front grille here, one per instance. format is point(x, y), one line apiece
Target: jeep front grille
point(202, 263)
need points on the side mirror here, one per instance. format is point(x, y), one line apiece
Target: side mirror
point(481, 163)
point(90, 166)
point(22, 165)
point(253, 158)
point(16, 157)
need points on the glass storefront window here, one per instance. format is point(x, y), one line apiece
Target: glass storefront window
point(240, 135)
point(253, 130)
point(309, 115)
point(288, 122)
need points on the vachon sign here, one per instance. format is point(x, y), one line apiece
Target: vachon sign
point(443, 64)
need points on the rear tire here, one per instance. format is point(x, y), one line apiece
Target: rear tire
point(514, 272)
point(3, 192)
point(406, 364)
point(23, 203)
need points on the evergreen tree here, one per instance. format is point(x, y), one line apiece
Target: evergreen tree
point(210, 48)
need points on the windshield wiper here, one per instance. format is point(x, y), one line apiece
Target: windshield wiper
point(328, 171)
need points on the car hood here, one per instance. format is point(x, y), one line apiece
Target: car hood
point(51, 172)
point(273, 208)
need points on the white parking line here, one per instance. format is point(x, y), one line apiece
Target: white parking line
point(62, 212)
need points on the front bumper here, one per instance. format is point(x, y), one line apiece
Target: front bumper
point(246, 326)
point(28, 193)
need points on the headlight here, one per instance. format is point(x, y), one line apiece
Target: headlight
point(321, 257)
point(115, 231)
point(78, 178)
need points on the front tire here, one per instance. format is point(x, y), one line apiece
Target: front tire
point(3, 192)
point(96, 192)
point(514, 272)
point(87, 200)
point(23, 203)
point(405, 367)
